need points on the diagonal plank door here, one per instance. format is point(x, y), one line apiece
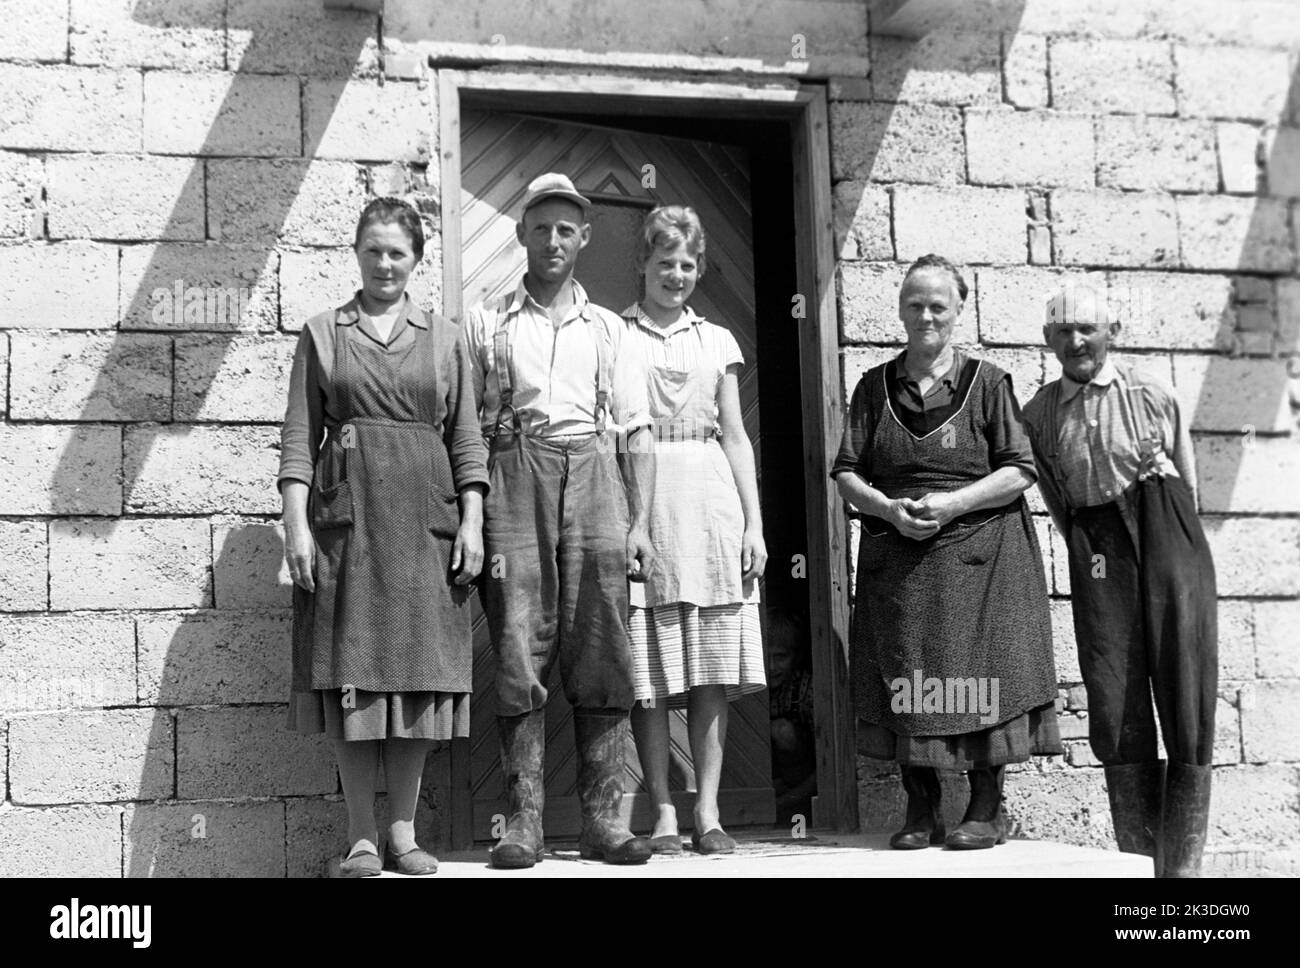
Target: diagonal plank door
point(500, 154)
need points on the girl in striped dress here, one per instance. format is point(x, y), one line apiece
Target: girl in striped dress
point(694, 624)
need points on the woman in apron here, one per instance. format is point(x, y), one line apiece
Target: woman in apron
point(383, 471)
point(694, 623)
point(952, 643)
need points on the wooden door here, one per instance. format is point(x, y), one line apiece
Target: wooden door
point(500, 154)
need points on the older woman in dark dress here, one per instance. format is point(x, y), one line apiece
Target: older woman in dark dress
point(952, 646)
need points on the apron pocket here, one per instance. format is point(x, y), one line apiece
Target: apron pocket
point(444, 514)
point(332, 508)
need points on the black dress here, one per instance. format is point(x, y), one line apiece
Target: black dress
point(952, 643)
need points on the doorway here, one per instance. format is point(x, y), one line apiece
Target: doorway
point(740, 175)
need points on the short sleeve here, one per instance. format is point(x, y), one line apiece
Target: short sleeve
point(857, 431)
point(631, 396)
point(730, 349)
point(1004, 428)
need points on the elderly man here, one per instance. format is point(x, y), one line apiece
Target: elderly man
point(1117, 474)
point(557, 383)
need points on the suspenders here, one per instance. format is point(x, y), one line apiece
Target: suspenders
point(501, 348)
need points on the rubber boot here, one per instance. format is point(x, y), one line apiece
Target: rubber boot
point(523, 757)
point(924, 823)
point(1136, 791)
point(1186, 818)
point(601, 735)
point(984, 824)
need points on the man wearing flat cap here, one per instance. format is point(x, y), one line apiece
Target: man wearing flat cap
point(562, 398)
point(1116, 471)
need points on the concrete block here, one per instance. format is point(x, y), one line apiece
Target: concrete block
point(1112, 76)
point(1255, 805)
point(1255, 556)
point(1241, 474)
point(943, 67)
point(239, 378)
point(130, 563)
point(249, 570)
point(1231, 82)
point(1060, 562)
point(1227, 728)
point(124, 197)
point(869, 306)
point(23, 579)
point(857, 361)
point(979, 225)
point(1282, 161)
point(189, 34)
point(35, 30)
point(1011, 301)
point(1105, 228)
point(80, 756)
point(204, 839)
point(1065, 649)
point(1237, 639)
point(193, 658)
point(1288, 315)
point(896, 143)
point(90, 376)
point(202, 470)
point(1029, 148)
point(312, 203)
point(316, 831)
point(362, 120)
point(1024, 364)
point(52, 469)
point(1177, 311)
point(221, 114)
point(1270, 720)
point(1024, 69)
point(21, 177)
point(1239, 150)
point(249, 752)
point(61, 108)
point(1232, 395)
point(179, 286)
point(1068, 806)
point(271, 37)
point(1151, 153)
point(849, 89)
point(52, 286)
point(65, 662)
point(75, 841)
point(861, 214)
point(1226, 232)
point(312, 281)
point(1277, 647)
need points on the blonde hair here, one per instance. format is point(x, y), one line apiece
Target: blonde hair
point(671, 225)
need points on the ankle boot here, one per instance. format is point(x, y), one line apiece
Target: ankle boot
point(924, 823)
point(601, 734)
point(523, 755)
point(984, 824)
point(1136, 791)
point(1186, 818)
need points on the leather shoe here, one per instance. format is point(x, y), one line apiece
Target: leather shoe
point(978, 834)
point(364, 863)
point(714, 841)
point(667, 844)
point(414, 861)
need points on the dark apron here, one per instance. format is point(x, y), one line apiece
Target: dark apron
point(385, 616)
point(969, 602)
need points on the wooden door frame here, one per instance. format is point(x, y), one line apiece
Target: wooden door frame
point(803, 107)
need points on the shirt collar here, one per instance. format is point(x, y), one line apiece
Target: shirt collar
point(1104, 378)
point(951, 377)
point(521, 297)
point(687, 319)
point(350, 312)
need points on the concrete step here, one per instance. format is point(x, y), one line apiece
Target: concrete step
point(823, 855)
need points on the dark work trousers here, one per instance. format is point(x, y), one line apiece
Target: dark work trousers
point(555, 578)
point(1146, 620)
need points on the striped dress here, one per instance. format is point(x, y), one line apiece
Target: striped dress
point(694, 622)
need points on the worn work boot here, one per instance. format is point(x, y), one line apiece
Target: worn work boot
point(1186, 817)
point(1136, 791)
point(924, 823)
point(523, 755)
point(601, 734)
point(984, 824)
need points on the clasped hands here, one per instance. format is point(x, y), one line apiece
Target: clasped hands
point(921, 518)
